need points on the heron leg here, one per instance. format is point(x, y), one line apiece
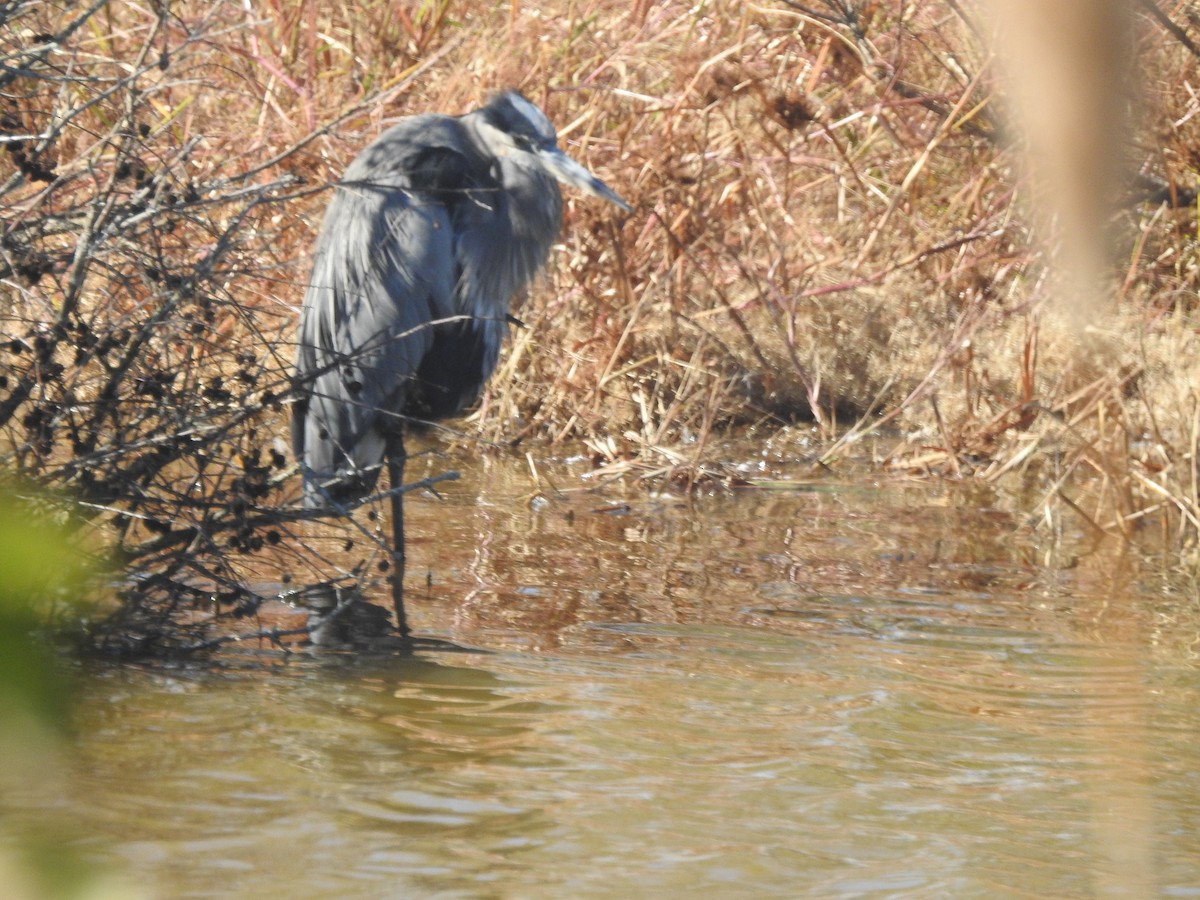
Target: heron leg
point(395, 460)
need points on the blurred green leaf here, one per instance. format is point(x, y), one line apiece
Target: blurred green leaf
point(37, 560)
point(40, 571)
point(43, 573)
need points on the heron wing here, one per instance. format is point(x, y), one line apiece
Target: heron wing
point(422, 248)
point(383, 277)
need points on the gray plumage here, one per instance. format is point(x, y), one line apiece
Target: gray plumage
point(430, 233)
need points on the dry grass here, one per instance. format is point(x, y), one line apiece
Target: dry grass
point(831, 228)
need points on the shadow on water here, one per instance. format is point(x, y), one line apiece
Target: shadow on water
point(861, 690)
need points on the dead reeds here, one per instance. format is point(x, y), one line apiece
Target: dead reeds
point(831, 235)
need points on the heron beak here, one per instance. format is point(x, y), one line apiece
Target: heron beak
point(573, 174)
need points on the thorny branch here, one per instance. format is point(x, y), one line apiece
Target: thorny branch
point(144, 357)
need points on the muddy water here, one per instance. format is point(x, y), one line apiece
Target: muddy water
point(845, 688)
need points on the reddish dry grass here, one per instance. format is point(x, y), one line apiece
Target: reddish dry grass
point(829, 227)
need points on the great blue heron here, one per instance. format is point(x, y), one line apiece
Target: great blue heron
point(432, 230)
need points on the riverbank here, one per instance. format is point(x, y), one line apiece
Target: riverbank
point(831, 234)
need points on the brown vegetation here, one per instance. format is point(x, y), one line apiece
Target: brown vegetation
point(831, 229)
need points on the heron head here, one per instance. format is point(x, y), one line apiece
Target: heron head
point(511, 125)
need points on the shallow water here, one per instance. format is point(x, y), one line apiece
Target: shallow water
point(839, 689)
